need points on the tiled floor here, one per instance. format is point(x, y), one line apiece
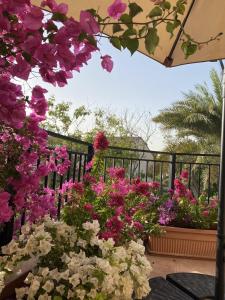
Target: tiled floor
point(163, 265)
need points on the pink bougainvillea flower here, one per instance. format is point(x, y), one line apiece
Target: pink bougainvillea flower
point(88, 178)
point(107, 63)
point(116, 9)
point(78, 187)
point(138, 225)
point(50, 3)
point(100, 142)
point(5, 212)
point(33, 19)
point(117, 173)
point(88, 23)
point(154, 185)
point(38, 101)
point(62, 8)
point(116, 200)
point(142, 188)
point(22, 68)
point(184, 174)
point(89, 165)
point(205, 213)
point(88, 207)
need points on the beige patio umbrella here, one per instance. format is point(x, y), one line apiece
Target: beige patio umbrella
point(203, 20)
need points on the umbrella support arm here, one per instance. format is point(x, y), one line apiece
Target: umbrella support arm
point(219, 286)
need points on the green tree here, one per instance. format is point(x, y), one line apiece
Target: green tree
point(83, 123)
point(197, 116)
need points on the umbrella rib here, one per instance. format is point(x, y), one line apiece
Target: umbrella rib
point(169, 60)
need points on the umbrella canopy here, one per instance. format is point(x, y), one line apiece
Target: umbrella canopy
point(202, 20)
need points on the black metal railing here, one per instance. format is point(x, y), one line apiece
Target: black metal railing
point(148, 165)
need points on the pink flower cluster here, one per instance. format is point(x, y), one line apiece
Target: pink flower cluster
point(121, 207)
point(100, 142)
point(183, 209)
point(54, 46)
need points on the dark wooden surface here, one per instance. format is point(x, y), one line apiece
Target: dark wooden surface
point(162, 289)
point(199, 286)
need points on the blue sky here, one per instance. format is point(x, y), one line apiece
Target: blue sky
point(136, 83)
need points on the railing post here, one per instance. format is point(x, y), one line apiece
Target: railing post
point(172, 170)
point(91, 153)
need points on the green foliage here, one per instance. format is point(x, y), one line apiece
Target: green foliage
point(198, 115)
point(135, 9)
point(151, 40)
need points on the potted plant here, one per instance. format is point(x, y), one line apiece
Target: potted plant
point(189, 223)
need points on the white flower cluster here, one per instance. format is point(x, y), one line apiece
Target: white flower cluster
point(77, 266)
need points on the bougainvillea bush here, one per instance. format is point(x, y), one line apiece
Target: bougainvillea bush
point(125, 210)
point(71, 264)
point(180, 208)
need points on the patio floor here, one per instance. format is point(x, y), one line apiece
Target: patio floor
point(163, 265)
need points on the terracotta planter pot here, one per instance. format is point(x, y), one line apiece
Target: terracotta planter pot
point(185, 242)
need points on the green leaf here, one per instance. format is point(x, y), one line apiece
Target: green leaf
point(130, 32)
point(166, 5)
point(188, 48)
point(170, 28)
point(27, 56)
point(92, 40)
point(180, 7)
point(115, 41)
point(126, 19)
point(117, 28)
point(123, 42)
point(82, 36)
point(59, 17)
point(92, 11)
point(135, 9)
point(151, 40)
point(155, 12)
point(143, 31)
point(132, 45)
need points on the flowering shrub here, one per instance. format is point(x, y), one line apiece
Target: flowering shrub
point(180, 208)
point(72, 264)
point(125, 211)
point(24, 161)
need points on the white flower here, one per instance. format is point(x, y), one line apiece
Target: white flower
point(80, 294)
point(94, 226)
point(48, 286)
point(74, 280)
point(44, 297)
point(70, 294)
point(29, 278)
point(43, 271)
point(64, 275)
point(60, 289)
point(21, 292)
point(82, 243)
point(34, 287)
point(25, 229)
point(45, 247)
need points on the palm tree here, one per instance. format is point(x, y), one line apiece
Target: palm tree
point(198, 115)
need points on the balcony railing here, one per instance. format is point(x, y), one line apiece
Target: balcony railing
point(148, 165)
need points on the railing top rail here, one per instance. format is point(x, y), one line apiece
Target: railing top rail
point(72, 139)
point(68, 138)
